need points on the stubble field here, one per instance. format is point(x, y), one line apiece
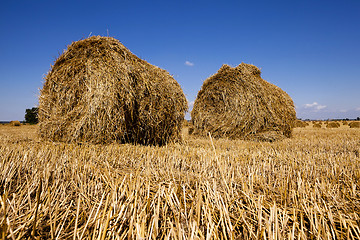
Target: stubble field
point(306, 187)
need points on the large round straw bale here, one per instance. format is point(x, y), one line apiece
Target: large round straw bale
point(354, 125)
point(99, 92)
point(237, 103)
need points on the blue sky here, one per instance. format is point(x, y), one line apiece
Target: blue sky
point(310, 49)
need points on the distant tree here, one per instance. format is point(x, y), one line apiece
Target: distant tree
point(358, 118)
point(31, 115)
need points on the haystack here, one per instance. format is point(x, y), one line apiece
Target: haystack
point(238, 104)
point(300, 124)
point(99, 92)
point(333, 125)
point(316, 125)
point(354, 125)
point(15, 123)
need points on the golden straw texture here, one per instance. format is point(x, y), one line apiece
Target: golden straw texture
point(238, 103)
point(99, 92)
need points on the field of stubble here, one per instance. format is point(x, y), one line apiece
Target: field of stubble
point(306, 187)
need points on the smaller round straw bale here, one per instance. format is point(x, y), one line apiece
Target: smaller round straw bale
point(15, 123)
point(316, 125)
point(237, 103)
point(354, 125)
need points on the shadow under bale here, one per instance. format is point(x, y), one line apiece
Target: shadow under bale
point(99, 92)
point(238, 104)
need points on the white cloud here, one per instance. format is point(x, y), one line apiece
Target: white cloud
point(315, 106)
point(358, 109)
point(320, 107)
point(310, 105)
point(191, 105)
point(190, 64)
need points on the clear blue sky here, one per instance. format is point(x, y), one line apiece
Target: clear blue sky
point(310, 49)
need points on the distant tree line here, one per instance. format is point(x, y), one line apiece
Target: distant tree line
point(340, 119)
point(31, 115)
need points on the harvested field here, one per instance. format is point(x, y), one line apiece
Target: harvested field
point(303, 187)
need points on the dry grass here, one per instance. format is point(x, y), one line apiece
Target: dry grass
point(305, 187)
